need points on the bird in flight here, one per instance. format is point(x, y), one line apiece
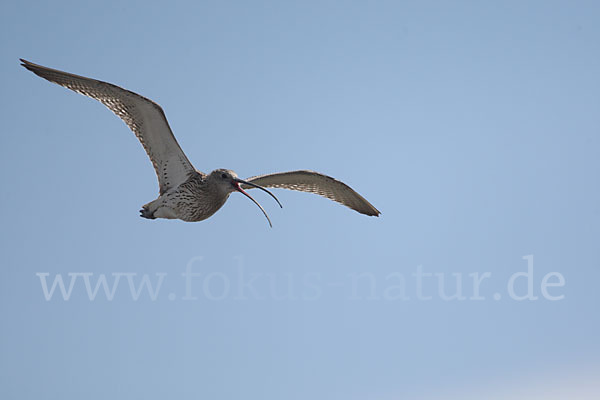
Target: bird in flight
point(184, 192)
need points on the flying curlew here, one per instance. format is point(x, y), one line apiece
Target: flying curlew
point(184, 192)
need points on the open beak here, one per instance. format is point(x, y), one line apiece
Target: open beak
point(236, 184)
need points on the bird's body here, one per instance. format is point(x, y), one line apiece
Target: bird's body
point(191, 201)
point(184, 192)
point(196, 199)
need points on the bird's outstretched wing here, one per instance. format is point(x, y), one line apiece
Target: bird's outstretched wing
point(314, 182)
point(143, 116)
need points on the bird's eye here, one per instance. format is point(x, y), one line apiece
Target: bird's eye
point(224, 176)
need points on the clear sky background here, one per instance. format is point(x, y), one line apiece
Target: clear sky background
point(473, 126)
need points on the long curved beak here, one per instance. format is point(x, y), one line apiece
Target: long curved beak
point(236, 184)
point(238, 180)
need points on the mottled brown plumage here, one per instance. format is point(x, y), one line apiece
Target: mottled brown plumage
point(184, 192)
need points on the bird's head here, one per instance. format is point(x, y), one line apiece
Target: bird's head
point(227, 181)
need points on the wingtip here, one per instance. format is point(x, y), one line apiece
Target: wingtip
point(26, 64)
point(373, 212)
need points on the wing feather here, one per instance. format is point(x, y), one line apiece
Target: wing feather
point(314, 182)
point(144, 117)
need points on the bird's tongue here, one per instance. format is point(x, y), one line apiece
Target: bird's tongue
point(239, 189)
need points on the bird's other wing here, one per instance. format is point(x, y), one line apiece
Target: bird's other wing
point(314, 182)
point(143, 116)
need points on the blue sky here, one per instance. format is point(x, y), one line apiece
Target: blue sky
point(472, 126)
